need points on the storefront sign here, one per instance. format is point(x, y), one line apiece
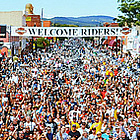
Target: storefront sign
point(2, 31)
point(66, 31)
point(28, 18)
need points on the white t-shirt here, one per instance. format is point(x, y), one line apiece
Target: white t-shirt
point(30, 124)
point(91, 136)
point(81, 130)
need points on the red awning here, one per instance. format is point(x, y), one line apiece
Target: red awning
point(111, 43)
point(4, 50)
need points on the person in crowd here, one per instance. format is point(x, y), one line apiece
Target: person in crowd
point(70, 92)
point(74, 133)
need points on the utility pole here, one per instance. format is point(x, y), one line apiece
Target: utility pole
point(116, 45)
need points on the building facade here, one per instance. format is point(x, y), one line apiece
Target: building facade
point(13, 18)
point(33, 21)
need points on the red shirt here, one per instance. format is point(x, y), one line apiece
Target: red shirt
point(103, 93)
point(19, 96)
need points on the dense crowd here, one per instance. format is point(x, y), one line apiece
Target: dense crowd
point(70, 91)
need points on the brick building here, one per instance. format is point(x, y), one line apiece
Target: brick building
point(33, 20)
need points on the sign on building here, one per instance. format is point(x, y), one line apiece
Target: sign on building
point(2, 31)
point(28, 18)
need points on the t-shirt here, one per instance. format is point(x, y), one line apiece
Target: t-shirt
point(105, 136)
point(77, 124)
point(97, 125)
point(50, 136)
point(64, 136)
point(30, 124)
point(75, 134)
point(81, 130)
point(91, 136)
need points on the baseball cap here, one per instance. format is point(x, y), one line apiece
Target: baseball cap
point(74, 125)
point(138, 123)
point(131, 125)
point(13, 107)
point(22, 117)
point(95, 115)
point(69, 137)
point(117, 126)
point(1, 135)
point(63, 117)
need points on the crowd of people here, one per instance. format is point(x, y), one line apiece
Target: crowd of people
point(70, 91)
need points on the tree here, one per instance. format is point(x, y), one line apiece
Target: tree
point(131, 12)
point(42, 42)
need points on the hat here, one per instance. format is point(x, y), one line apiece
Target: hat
point(74, 125)
point(63, 117)
point(13, 107)
point(35, 106)
point(138, 123)
point(94, 115)
point(107, 114)
point(132, 125)
point(69, 137)
point(117, 126)
point(1, 135)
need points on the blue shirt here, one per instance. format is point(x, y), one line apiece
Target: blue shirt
point(50, 136)
point(64, 136)
point(105, 136)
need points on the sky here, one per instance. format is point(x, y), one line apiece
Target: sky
point(64, 8)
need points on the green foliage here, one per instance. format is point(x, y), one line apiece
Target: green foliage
point(130, 12)
point(42, 42)
point(63, 25)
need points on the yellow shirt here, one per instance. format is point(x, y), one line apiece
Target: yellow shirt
point(111, 74)
point(97, 126)
point(77, 125)
point(115, 115)
point(107, 72)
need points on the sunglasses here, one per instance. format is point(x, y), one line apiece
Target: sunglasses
point(83, 124)
point(98, 134)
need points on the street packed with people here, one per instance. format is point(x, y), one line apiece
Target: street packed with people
point(70, 91)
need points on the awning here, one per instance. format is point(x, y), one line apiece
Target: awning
point(4, 50)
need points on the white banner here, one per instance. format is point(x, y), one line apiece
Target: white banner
point(66, 31)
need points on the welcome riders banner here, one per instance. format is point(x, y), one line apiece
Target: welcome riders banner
point(67, 31)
